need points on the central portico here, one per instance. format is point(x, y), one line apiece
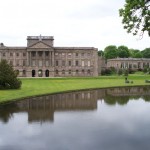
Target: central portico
point(40, 54)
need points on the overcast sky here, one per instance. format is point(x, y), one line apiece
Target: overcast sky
point(94, 23)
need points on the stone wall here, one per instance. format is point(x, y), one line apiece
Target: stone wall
point(41, 59)
point(133, 63)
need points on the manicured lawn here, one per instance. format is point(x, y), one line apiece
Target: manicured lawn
point(40, 86)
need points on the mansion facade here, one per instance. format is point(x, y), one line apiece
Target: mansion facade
point(41, 59)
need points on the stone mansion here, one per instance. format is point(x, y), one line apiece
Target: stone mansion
point(41, 59)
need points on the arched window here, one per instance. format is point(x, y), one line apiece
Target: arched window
point(24, 72)
point(40, 73)
point(33, 73)
point(47, 73)
point(88, 71)
point(77, 71)
point(83, 71)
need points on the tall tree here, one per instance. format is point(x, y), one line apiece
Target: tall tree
point(135, 53)
point(146, 53)
point(8, 76)
point(138, 55)
point(136, 16)
point(123, 52)
point(110, 52)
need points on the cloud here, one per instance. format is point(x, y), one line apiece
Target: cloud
point(72, 23)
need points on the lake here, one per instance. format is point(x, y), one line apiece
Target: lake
point(104, 119)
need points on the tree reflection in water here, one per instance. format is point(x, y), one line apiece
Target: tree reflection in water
point(42, 109)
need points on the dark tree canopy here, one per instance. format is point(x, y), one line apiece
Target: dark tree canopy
point(123, 52)
point(8, 76)
point(110, 52)
point(136, 16)
point(100, 53)
point(146, 53)
point(135, 53)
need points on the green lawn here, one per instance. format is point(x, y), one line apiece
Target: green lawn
point(40, 86)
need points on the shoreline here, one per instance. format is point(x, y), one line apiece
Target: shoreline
point(35, 87)
point(69, 91)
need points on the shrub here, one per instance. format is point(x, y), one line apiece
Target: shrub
point(126, 72)
point(120, 72)
point(106, 71)
point(132, 71)
point(140, 69)
point(145, 69)
point(8, 76)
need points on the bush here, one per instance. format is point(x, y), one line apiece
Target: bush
point(113, 70)
point(120, 72)
point(132, 71)
point(145, 69)
point(140, 69)
point(8, 76)
point(126, 72)
point(106, 71)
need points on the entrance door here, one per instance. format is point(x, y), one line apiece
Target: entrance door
point(33, 73)
point(40, 73)
point(47, 73)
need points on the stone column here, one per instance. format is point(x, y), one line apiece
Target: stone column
point(50, 59)
point(27, 58)
point(53, 59)
point(44, 59)
point(36, 58)
point(30, 58)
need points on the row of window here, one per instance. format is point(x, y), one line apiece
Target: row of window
point(70, 71)
point(70, 63)
point(47, 63)
point(18, 63)
point(57, 72)
point(73, 54)
point(12, 54)
point(40, 53)
point(134, 65)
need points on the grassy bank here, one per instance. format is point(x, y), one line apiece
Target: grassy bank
point(40, 86)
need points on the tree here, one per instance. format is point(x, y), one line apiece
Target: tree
point(8, 76)
point(146, 53)
point(136, 16)
point(138, 55)
point(135, 53)
point(123, 52)
point(110, 52)
point(100, 53)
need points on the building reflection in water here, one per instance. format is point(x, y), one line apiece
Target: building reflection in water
point(42, 109)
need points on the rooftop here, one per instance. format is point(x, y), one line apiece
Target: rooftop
point(40, 37)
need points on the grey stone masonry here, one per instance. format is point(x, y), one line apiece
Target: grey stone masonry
point(41, 59)
point(133, 63)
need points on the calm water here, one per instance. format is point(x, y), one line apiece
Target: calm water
point(108, 119)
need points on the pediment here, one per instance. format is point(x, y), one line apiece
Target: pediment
point(40, 45)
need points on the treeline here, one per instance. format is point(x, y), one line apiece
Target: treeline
point(113, 51)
